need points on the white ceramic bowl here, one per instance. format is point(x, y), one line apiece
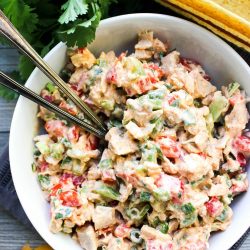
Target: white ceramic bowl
point(119, 33)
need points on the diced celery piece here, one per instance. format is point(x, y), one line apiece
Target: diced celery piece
point(136, 214)
point(108, 192)
point(222, 217)
point(105, 164)
point(149, 152)
point(33, 167)
point(43, 147)
point(50, 87)
point(57, 150)
point(161, 194)
point(78, 167)
point(66, 163)
point(232, 87)
point(134, 65)
point(108, 105)
point(210, 123)
point(189, 220)
point(218, 106)
point(188, 118)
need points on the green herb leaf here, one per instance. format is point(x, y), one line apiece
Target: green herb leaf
point(7, 93)
point(72, 9)
point(21, 15)
point(58, 216)
point(145, 196)
point(43, 179)
point(81, 32)
point(25, 67)
point(162, 227)
point(187, 208)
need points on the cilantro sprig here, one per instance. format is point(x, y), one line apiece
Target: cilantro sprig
point(45, 23)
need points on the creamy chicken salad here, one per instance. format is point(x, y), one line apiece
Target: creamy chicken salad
point(174, 157)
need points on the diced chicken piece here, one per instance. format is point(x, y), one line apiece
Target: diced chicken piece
point(191, 148)
point(192, 238)
point(196, 197)
point(84, 149)
point(55, 226)
point(144, 44)
point(220, 186)
point(159, 46)
point(193, 167)
point(103, 217)
point(139, 133)
point(150, 233)
point(143, 49)
point(194, 120)
point(214, 152)
point(118, 244)
point(158, 244)
point(226, 220)
point(87, 237)
point(142, 114)
point(83, 58)
point(184, 99)
point(200, 140)
point(177, 77)
point(109, 58)
point(56, 128)
point(120, 143)
point(146, 35)
point(169, 167)
point(78, 78)
point(83, 155)
point(170, 61)
point(210, 97)
point(147, 46)
point(214, 207)
point(172, 114)
point(83, 213)
point(173, 226)
point(125, 191)
point(202, 86)
point(170, 184)
point(143, 54)
point(239, 184)
point(236, 121)
point(231, 165)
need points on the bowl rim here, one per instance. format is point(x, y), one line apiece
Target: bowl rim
point(103, 23)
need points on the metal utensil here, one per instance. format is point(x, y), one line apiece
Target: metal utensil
point(24, 91)
point(11, 33)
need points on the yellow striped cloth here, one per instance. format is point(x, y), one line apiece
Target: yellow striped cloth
point(229, 19)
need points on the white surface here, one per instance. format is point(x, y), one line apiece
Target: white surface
point(119, 33)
